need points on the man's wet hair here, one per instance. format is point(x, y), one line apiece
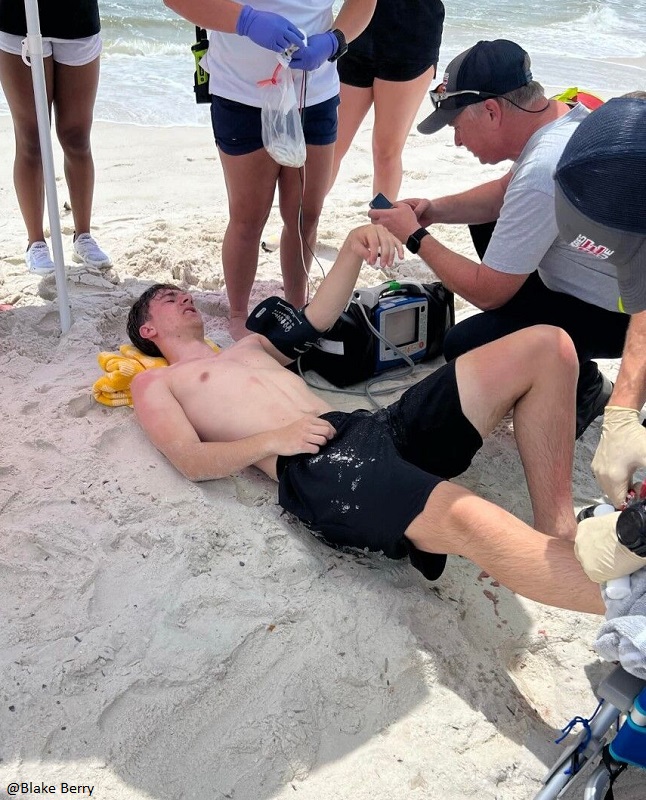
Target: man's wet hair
point(140, 313)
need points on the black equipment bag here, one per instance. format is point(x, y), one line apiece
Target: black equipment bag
point(350, 358)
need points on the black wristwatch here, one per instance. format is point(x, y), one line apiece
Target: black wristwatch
point(415, 239)
point(342, 49)
point(631, 528)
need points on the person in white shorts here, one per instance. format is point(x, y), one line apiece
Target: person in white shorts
point(72, 48)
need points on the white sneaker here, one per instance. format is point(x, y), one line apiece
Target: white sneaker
point(88, 252)
point(38, 259)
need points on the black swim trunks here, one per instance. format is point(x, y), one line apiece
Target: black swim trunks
point(366, 486)
point(400, 43)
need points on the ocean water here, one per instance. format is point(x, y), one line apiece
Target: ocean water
point(147, 66)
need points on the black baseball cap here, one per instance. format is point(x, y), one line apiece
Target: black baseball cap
point(600, 193)
point(493, 68)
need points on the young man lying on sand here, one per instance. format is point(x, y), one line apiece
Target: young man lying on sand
point(375, 480)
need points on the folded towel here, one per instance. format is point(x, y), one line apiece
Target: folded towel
point(622, 637)
point(113, 388)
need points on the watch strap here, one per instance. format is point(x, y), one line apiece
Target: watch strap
point(414, 241)
point(342, 49)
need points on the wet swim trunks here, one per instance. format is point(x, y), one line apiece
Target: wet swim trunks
point(366, 486)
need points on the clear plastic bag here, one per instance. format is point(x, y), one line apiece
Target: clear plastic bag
point(282, 130)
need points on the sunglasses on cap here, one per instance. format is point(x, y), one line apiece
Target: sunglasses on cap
point(445, 100)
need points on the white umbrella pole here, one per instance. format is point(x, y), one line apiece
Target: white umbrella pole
point(35, 50)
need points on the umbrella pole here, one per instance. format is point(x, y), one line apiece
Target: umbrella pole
point(35, 50)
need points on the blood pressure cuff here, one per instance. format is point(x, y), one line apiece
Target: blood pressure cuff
point(286, 327)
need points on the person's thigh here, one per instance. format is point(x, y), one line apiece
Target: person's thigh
point(396, 104)
point(490, 379)
point(596, 332)
point(479, 329)
point(74, 96)
point(16, 81)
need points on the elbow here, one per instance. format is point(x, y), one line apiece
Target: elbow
point(489, 304)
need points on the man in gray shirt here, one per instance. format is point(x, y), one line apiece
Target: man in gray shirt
point(528, 275)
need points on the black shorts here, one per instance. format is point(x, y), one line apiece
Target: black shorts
point(360, 70)
point(238, 130)
point(401, 41)
point(366, 486)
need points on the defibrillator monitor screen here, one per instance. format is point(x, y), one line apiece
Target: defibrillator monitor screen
point(401, 326)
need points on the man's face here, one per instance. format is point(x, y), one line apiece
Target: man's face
point(171, 311)
point(474, 129)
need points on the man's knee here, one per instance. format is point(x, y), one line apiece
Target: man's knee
point(552, 344)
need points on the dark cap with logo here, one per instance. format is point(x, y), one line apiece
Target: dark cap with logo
point(493, 68)
point(600, 193)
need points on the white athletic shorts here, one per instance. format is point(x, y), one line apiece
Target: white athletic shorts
point(71, 52)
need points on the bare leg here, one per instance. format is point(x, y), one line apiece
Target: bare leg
point(28, 169)
point(527, 562)
point(354, 105)
point(535, 372)
point(396, 104)
point(74, 96)
point(251, 182)
point(301, 195)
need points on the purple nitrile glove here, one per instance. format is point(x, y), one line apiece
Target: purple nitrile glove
point(318, 49)
point(268, 30)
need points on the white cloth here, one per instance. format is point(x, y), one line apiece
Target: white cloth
point(622, 637)
point(235, 64)
point(526, 234)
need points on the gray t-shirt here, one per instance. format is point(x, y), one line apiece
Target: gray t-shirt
point(526, 235)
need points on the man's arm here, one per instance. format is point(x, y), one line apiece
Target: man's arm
point(481, 285)
point(480, 204)
point(622, 447)
point(370, 243)
point(168, 428)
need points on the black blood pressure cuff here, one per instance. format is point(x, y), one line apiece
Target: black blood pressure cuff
point(287, 328)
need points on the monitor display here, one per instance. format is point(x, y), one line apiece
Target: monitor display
point(401, 326)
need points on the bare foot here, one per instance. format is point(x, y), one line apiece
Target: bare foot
point(6, 307)
point(237, 327)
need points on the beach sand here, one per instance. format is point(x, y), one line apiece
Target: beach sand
point(162, 639)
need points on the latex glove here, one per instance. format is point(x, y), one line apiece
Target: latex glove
point(268, 30)
point(599, 551)
point(318, 49)
point(621, 450)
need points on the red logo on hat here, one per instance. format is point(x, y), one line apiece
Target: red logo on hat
point(585, 245)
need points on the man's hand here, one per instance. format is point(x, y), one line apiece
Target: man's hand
point(400, 220)
point(374, 244)
point(599, 551)
point(268, 30)
point(318, 49)
point(307, 435)
point(423, 210)
point(621, 450)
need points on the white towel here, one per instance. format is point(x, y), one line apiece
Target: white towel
point(622, 637)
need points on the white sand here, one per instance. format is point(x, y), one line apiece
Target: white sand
point(168, 640)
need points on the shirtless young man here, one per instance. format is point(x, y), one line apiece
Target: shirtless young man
point(375, 480)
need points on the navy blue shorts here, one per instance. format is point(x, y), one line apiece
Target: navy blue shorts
point(238, 131)
point(368, 484)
